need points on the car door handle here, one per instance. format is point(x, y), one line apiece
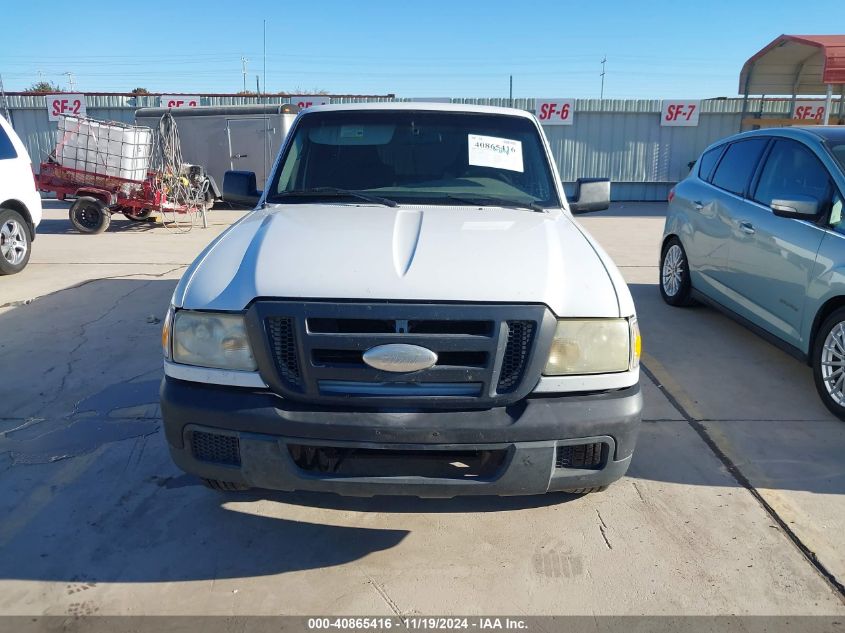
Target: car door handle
point(239, 156)
point(747, 227)
point(698, 205)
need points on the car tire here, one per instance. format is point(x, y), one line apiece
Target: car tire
point(827, 354)
point(89, 215)
point(15, 243)
point(224, 486)
point(675, 283)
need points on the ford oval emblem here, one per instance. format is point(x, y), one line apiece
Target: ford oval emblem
point(399, 357)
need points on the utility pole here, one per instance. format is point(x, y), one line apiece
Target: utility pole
point(603, 62)
point(244, 61)
point(70, 81)
point(257, 89)
point(510, 97)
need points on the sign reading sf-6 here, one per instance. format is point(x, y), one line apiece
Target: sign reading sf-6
point(179, 101)
point(306, 101)
point(680, 113)
point(555, 111)
point(65, 104)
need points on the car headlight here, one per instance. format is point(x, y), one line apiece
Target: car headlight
point(210, 339)
point(594, 346)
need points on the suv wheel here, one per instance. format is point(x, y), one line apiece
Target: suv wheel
point(829, 362)
point(675, 284)
point(14, 242)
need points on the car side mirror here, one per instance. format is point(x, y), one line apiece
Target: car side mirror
point(239, 188)
point(797, 208)
point(591, 194)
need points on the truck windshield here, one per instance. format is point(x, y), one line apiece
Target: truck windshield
point(416, 157)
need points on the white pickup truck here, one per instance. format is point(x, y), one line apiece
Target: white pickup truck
point(410, 309)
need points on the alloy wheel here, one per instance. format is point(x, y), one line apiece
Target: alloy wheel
point(13, 242)
point(673, 270)
point(833, 363)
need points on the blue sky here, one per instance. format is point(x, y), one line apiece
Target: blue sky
point(459, 48)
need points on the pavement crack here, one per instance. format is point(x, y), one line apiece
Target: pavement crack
point(697, 426)
point(83, 339)
point(384, 595)
point(603, 529)
point(639, 492)
point(23, 302)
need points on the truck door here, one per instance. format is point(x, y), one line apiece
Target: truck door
point(250, 143)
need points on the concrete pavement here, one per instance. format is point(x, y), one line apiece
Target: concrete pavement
point(736, 483)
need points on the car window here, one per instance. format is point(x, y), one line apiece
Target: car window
point(7, 150)
point(737, 165)
point(791, 171)
point(708, 161)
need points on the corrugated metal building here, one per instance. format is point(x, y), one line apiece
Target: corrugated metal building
point(611, 138)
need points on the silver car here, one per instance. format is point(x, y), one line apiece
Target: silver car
point(757, 230)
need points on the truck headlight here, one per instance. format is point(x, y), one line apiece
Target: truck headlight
point(593, 346)
point(210, 339)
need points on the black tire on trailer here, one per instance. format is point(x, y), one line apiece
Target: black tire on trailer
point(89, 215)
point(15, 242)
point(141, 215)
point(224, 486)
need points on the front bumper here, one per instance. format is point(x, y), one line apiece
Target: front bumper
point(528, 434)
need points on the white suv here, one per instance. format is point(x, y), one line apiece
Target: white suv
point(20, 204)
point(411, 309)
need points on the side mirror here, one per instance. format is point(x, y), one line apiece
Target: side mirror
point(591, 194)
point(797, 208)
point(239, 188)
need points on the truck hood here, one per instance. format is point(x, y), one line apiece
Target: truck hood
point(431, 253)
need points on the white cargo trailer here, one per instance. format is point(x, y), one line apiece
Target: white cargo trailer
point(223, 138)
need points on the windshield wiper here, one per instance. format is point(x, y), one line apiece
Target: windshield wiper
point(337, 192)
point(500, 202)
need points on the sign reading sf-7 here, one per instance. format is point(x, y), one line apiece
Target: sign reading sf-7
point(680, 113)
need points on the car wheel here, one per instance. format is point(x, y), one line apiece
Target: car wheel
point(675, 284)
point(89, 215)
point(14, 242)
point(828, 360)
point(224, 486)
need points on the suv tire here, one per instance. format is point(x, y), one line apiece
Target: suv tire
point(828, 360)
point(14, 242)
point(675, 283)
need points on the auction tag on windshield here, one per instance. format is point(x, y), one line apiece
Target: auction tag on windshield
point(491, 151)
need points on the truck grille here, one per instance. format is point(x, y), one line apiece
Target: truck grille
point(283, 344)
point(315, 351)
point(520, 334)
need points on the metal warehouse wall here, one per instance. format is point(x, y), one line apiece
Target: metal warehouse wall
point(612, 138)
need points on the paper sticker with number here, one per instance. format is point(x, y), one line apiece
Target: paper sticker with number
point(492, 151)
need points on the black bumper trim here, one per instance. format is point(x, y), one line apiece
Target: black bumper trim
point(615, 414)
